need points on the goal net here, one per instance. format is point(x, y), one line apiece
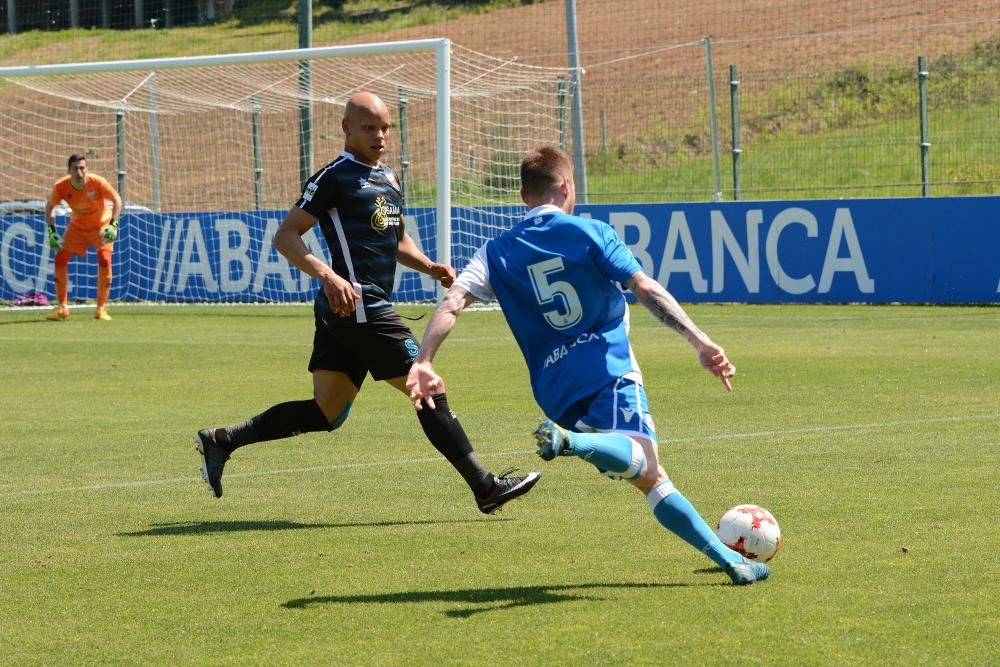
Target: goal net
point(209, 153)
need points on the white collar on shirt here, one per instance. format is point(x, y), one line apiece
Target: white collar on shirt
point(351, 157)
point(542, 210)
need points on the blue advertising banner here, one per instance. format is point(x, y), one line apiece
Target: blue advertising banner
point(927, 250)
point(930, 250)
point(187, 257)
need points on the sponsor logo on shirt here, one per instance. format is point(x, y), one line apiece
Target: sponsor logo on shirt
point(310, 191)
point(385, 215)
point(560, 352)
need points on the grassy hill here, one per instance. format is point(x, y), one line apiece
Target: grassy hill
point(815, 129)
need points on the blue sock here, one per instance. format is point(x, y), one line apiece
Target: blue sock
point(610, 452)
point(678, 515)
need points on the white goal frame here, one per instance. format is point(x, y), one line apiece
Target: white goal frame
point(440, 46)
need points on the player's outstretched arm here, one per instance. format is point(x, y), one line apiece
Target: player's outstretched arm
point(423, 382)
point(409, 255)
point(665, 308)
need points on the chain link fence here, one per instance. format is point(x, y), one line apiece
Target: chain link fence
point(827, 95)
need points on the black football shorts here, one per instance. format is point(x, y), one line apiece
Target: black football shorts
point(384, 346)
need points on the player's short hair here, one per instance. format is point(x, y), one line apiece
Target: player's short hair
point(73, 159)
point(544, 168)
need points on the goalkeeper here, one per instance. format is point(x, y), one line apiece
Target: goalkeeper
point(92, 223)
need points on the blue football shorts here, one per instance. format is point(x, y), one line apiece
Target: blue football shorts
point(620, 407)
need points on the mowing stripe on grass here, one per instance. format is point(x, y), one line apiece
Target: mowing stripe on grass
point(435, 459)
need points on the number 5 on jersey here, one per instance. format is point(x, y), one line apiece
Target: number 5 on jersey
point(563, 295)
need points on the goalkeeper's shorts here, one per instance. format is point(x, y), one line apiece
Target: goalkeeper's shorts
point(78, 239)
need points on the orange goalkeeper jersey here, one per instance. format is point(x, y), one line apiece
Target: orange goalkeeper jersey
point(89, 205)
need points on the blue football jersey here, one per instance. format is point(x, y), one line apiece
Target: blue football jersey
point(556, 277)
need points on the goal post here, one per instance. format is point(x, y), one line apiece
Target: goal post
point(205, 150)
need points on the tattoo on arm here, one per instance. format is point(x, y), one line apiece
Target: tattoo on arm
point(666, 309)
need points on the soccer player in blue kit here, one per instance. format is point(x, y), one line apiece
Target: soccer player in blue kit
point(556, 278)
point(358, 203)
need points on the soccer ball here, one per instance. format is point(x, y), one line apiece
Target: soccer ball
point(750, 530)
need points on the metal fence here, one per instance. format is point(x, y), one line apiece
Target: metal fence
point(827, 98)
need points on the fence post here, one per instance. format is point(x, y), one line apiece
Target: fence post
point(305, 19)
point(11, 17)
point(404, 145)
point(120, 141)
point(258, 168)
point(734, 105)
point(576, 86)
point(154, 143)
point(713, 121)
point(925, 144)
point(561, 94)
point(604, 130)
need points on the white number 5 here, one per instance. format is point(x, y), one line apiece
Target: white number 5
point(569, 311)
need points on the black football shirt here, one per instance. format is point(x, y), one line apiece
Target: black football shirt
point(359, 210)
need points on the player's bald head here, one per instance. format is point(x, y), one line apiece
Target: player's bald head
point(366, 125)
point(364, 104)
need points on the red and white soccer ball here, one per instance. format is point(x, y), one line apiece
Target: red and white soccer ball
point(750, 530)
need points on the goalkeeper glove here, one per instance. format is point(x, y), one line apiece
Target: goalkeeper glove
point(109, 232)
point(55, 241)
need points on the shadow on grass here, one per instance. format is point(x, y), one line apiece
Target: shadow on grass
point(26, 318)
point(484, 599)
point(711, 570)
point(206, 527)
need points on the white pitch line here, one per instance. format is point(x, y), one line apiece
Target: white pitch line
point(151, 341)
point(436, 459)
point(188, 480)
point(76, 341)
point(842, 427)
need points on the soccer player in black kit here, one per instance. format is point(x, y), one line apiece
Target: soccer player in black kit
point(357, 201)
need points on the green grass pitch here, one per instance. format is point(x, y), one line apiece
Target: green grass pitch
point(872, 434)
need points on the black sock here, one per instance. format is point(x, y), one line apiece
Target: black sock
point(279, 421)
point(443, 429)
